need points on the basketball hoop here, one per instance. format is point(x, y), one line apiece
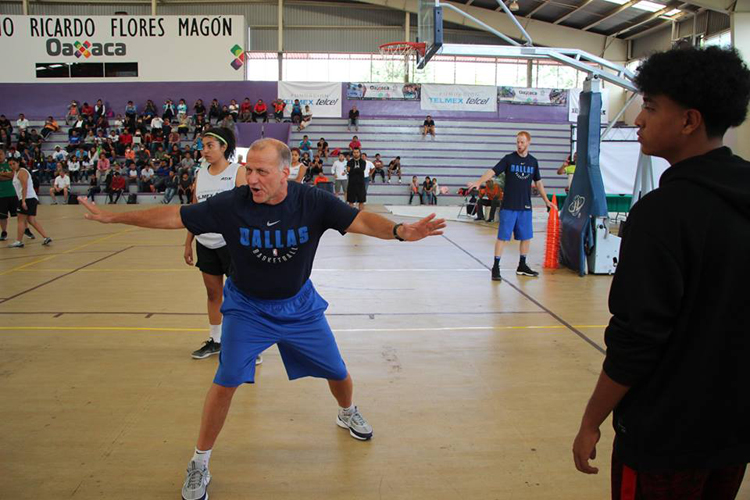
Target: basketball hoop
point(403, 48)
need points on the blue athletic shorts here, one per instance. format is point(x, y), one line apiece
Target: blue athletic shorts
point(517, 222)
point(296, 324)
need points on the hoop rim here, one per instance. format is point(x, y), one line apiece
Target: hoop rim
point(391, 47)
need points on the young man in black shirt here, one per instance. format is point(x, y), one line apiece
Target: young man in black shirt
point(272, 228)
point(356, 191)
point(428, 127)
point(353, 119)
point(676, 371)
point(520, 169)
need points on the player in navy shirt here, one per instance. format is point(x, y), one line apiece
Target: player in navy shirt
point(272, 228)
point(520, 169)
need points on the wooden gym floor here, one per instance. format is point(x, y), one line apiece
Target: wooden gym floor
point(475, 389)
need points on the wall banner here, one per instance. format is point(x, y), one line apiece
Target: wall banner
point(534, 97)
point(459, 98)
point(573, 105)
point(384, 91)
point(324, 99)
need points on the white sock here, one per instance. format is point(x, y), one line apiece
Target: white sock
point(202, 457)
point(215, 333)
point(347, 410)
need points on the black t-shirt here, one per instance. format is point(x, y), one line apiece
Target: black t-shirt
point(429, 123)
point(519, 173)
point(272, 246)
point(356, 171)
point(199, 109)
point(353, 114)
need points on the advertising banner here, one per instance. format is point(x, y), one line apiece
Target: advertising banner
point(459, 98)
point(384, 91)
point(574, 105)
point(55, 49)
point(324, 99)
point(534, 97)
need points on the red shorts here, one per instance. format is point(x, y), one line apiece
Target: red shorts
point(698, 484)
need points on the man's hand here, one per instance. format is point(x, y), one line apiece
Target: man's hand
point(95, 213)
point(473, 185)
point(189, 255)
point(422, 229)
point(23, 204)
point(584, 449)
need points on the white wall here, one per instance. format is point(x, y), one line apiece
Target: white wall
point(166, 48)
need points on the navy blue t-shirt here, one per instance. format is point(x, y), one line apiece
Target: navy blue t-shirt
point(272, 246)
point(519, 173)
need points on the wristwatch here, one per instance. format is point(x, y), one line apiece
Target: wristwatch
point(395, 232)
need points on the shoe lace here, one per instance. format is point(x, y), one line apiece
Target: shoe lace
point(357, 418)
point(195, 478)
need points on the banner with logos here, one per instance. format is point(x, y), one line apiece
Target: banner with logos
point(459, 98)
point(574, 100)
point(59, 49)
point(534, 97)
point(384, 91)
point(324, 99)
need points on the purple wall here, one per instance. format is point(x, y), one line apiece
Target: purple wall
point(39, 100)
point(247, 133)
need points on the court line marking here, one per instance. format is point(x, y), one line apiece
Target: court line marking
point(146, 313)
point(532, 299)
point(50, 257)
point(63, 275)
point(42, 255)
point(30, 243)
point(339, 330)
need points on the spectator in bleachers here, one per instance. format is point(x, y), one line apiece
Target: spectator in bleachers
point(356, 170)
point(73, 114)
point(156, 123)
point(174, 139)
point(119, 124)
point(89, 140)
point(199, 110)
point(414, 190)
point(166, 129)
point(14, 153)
point(246, 110)
point(131, 111)
point(321, 178)
point(260, 111)
point(100, 109)
point(316, 167)
point(147, 178)
point(306, 119)
point(200, 126)
point(427, 191)
point(168, 111)
point(59, 154)
point(107, 147)
point(162, 174)
point(157, 142)
point(353, 119)
point(47, 172)
point(298, 169)
point(142, 156)
point(226, 120)
point(394, 167)
point(87, 167)
point(74, 142)
point(22, 123)
point(355, 144)
point(435, 190)
point(185, 188)
point(87, 110)
point(129, 155)
point(149, 112)
point(306, 159)
point(60, 186)
point(182, 109)
point(278, 109)
point(187, 163)
point(234, 110)
point(94, 188)
point(102, 123)
point(74, 169)
point(428, 127)
point(296, 112)
point(125, 140)
point(378, 169)
point(171, 183)
point(114, 140)
point(214, 111)
point(369, 167)
point(183, 124)
point(50, 127)
point(116, 187)
point(102, 167)
point(197, 147)
point(22, 141)
point(305, 144)
point(490, 195)
point(339, 173)
point(35, 140)
point(4, 139)
point(6, 125)
point(132, 174)
point(323, 148)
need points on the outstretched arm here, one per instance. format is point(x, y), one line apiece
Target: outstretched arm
point(489, 174)
point(375, 225)
point(153, 218)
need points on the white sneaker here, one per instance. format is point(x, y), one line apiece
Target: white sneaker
point(16, 244)
point(356, 423)
point(196, 482)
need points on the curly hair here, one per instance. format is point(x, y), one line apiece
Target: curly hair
point(712, 80)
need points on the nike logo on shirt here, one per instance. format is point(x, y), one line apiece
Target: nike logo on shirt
point(269, 224)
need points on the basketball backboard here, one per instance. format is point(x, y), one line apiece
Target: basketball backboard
point(429, 29)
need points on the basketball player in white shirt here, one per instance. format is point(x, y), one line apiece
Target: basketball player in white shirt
point(215, 176)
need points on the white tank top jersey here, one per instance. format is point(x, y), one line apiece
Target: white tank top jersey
point(30, 193)
point(206, 186)
point(294, 171)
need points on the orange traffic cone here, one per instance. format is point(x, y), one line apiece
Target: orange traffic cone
point(551, 254)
